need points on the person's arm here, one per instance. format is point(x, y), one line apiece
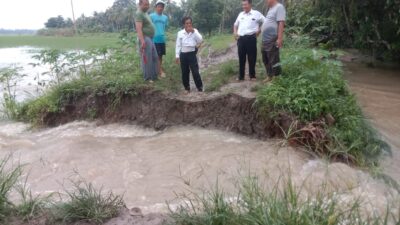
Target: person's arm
point(260, 21)
point(235, 28)
point(280, 17)
point(197, 36)
point(281, 28)
point(139, 30)
point(178, 48)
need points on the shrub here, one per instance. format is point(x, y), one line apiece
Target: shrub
point(89, 204)
point(284, 203)
point(312, 88)
point(9, 176)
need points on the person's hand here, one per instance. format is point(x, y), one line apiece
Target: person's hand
point(190, 30)
point(143, 45)
point(177, 61)
point(236, 36)
point(279, 43)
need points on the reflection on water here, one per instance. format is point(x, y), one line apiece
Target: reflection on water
point(148, 166)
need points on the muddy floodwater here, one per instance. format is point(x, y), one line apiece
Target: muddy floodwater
point(149, 167)
point(378, 92)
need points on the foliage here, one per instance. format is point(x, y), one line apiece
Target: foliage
point(30, 206)
point(312, 88)
point(58, 22)
point(9, 77)
point(366, 24)
point(119, 17)
point(86, 203)
point(282, 203)
point(207, 14)
point(9, 175)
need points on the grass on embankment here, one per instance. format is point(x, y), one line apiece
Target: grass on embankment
point(324, 115)
point(62, 43)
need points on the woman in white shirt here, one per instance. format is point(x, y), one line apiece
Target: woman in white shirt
point(186, 49)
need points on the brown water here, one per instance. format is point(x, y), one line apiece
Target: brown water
point(378, 92)
point(148, 166)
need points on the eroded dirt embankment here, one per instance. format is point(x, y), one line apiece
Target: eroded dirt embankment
point(155, 109)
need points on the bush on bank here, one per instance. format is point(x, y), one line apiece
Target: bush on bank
point(324, 113)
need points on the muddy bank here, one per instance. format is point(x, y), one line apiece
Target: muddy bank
point(155, 109)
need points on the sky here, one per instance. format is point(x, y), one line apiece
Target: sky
point(32, 14)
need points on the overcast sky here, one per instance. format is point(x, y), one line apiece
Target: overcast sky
point(32, 14)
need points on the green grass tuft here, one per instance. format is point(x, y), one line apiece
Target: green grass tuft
point(89, 204)
point(9, 176)
point(281, 204)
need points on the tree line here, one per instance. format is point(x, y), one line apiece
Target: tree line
point(364, 24)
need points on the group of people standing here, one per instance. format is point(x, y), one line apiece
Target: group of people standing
point(151, 32)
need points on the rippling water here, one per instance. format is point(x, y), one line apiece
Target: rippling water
point(378, 92)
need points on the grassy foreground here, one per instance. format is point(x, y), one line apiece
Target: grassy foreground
point(282, 203)
point(56, 42)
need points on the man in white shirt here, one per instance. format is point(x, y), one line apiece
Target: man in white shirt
point(186, 49)
point(246, 30)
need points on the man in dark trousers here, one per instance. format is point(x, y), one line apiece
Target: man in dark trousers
point(246, 30)
point(187, 41)
point(272, 38)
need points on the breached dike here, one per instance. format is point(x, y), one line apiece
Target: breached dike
point(158, 110)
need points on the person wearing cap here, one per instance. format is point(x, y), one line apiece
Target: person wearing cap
point(246, 29)
point(145, 32)
point(186, 49)
point(160, 22)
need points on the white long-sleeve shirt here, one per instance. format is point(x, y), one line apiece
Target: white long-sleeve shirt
point(187, 42)
point(249, 23)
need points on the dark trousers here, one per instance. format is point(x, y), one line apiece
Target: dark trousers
point(272, 60)
point(247, 49)
point(189, 63)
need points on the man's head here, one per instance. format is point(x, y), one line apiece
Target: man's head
point(271, 3)
point(246, 5)
point(144, 5)
point(160, 5)
point(187, 22)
